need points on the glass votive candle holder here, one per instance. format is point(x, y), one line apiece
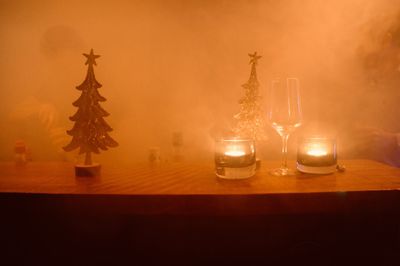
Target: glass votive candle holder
point(317, 155)
point(235, 158)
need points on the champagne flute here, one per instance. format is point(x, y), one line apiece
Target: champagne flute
point(284, 115)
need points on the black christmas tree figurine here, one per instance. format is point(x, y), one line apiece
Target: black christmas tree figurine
point(250, 119)
point(90, 131)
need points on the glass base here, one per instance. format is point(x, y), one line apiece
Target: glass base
point(283, 172)
point(316, 169)
point(236, 173)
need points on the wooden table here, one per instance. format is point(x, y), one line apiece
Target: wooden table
point(173, 207)
point(194, 189)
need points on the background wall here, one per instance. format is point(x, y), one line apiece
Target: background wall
point(171, 66)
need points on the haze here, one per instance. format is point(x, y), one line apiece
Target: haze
point(178, 66)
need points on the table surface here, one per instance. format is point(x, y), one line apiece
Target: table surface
point(184, 208)
point(188, 188)
point(191, 179)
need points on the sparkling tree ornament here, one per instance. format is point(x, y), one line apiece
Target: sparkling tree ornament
point(250, 121)
point(90, 131)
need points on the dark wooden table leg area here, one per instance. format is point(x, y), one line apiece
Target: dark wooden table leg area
point(60, 231)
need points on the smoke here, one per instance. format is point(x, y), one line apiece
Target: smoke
point(178, 66)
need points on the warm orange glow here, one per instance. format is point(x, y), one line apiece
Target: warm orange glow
point(316, 149)
point(179, 67)
point(235, 149)
point(317, 152)
point(235, 153)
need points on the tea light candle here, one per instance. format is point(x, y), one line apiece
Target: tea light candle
point(316, 150)
point(235, 153)
point(317, 155)
point(235, 158)
point(234, 150)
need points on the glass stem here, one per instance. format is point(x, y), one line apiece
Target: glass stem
point(284, 150)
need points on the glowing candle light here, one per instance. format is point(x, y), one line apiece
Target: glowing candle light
point(317, 150)
point(234, 150)
point(235, 158)
point(235, 153)
point(317, 155)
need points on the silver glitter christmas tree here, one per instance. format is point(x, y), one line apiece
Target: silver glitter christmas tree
point(250, 119)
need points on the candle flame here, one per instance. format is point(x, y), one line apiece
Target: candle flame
point(235, 153)
point(317, 152)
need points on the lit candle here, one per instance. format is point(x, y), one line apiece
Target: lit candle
point(235, 153)
point(316, 150)
point(317, 155)
point(235, 158)
point(234, 150)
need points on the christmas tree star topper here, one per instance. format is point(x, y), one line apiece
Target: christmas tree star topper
point(254, 58)
point(91, 58)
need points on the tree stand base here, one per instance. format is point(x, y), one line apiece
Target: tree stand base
point(91, 170)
